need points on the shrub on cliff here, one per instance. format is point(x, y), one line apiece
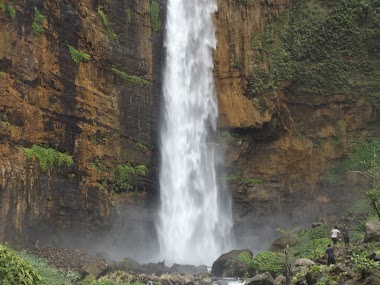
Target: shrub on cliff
point(15, 271)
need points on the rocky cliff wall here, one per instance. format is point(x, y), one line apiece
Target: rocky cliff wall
point(80, 100)
point(81, 80)
point(297, 89)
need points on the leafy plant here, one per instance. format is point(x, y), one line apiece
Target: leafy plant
point(155, 15)
point(15, 271)
point(111, 34)
point(311, 243)
point(77, 55)
point(132, 78)
point(288, 233)
point(11, 12)
point(245, 258)
point(126, 173)
point(38, 20)
point(47, 156)
point(2, 6)
point(268, 261)
point(363, 264)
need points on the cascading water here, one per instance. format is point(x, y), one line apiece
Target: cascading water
point(195, 215)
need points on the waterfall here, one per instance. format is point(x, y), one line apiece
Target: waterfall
point(195, 214)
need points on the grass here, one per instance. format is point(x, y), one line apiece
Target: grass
point(111, 34)
point(77, 55)
point(38, 20)
point(155, 15)
point(132, 78)
point(50, 275)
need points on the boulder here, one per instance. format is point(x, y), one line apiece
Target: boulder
point(280, 280)
point(301, 265)
point(186, 269)
point(97, 269)
point(303, 262)
point(203, 278)
point(129, 265)
point(176, 279)
point(261, 279)
point(230, 265)
point(156, 268)
point(281, 242)
point(202, 268)
point(372, 231)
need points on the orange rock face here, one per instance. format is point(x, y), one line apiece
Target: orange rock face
point(83, 109)
point(280, 148)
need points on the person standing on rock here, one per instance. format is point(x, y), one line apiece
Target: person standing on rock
point(334, 234)
point(346, 236)
point(330, 255)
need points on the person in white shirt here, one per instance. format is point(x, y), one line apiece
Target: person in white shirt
point(334, 234)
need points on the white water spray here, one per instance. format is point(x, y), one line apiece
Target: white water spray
point(195, 217)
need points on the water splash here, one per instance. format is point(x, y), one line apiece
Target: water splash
point(195, 214)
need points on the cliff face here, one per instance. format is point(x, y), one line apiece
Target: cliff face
point(100, 111)
point(297, 88)
point(80, 85)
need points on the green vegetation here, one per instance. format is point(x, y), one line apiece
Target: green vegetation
point(120, 178)
point(142, 146)
point(38, 20)
point(15, 271)
point(237, 63)
point(132, 78)
point(364, 264)
point(311, 243)
point(237, 178)
point(322, 49)
point(4, 117)
point(155, 15)
point(129, 15)
point(268, 261)
point(364, 160)
point(77, 55)
point(49, 275)
point(245, 258)
point(125, 174)
point(99, 165)
point(11, 12)
point(2, 6)
point(47, 156)
point(111, 34)
point(91, 280)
